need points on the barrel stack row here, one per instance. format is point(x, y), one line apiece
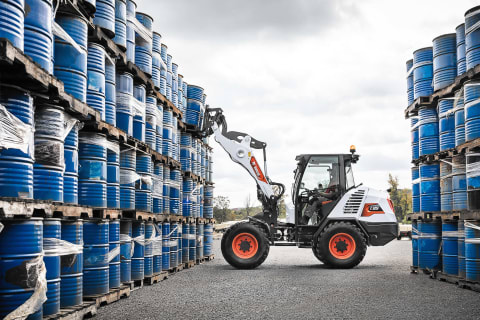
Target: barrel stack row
point(445, 179)
point(49, 155)
point(73, 260)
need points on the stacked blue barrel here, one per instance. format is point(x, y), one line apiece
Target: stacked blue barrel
point(53, 158)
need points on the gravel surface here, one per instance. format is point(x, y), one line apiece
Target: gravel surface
point(292, 284)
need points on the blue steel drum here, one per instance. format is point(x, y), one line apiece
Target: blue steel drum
point(450, 247)
point(124, 107)
point(459, 183)
point(175, 98)
point(157, 193)
point(114, 246)
point(428, 131)
point(473, 180)
point(166, 246)
point(180, 244)
point(187, 195)
point(461, 58)
point(143, 47)
point(472, 37)
point(96, 78)
point(157, 42)
point(429, 240)
point(113, 178)
point(194, 112)
point(15, 288)
point(128, 159)
point(459, 119)
point(138, 233)
point(157, 249)
point(130, 39)
point(175, 74)
point(105, 16)
point(52, 231)
point(175, 178)
point(16, 166)
point(207, 249)
point(169, 62)
point(444, 60)
point(38, 36)
point(461, 250)
point(195, 92)
point(472, 109)
point(71, 65)
point(131, 8)
point(71, 273)
point(446, 185)
point(49, 148)
point(110, 94)
point(121, 24)
point(139, 92)
point(409, 65)
point(151, 122)
point(126, 250)
point(429, 187)
point(185, 248)
point(422, 72)
point(70, 177)
point(164, 52)
point(163, 81)
point(173, 244)
point(143, 190)
point(192, 242)
point(414, 243)
point(472, 251)
point(167, 143)
point(186, 158)
point(169, 91)
point(199, 241)
point(159, 134)
point(12, 22)
point(149, 238)
point(95, 257)
point(92, 173)
point(166, 190)
point(446, 124)
point(127, 189)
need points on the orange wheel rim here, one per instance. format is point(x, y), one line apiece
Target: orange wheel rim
point(245, 245)
point(342, 246)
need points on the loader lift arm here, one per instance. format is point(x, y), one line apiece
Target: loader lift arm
point(239, 146)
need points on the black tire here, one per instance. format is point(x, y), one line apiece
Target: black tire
point(322, 250)
point(399, 238)
point(237, 261)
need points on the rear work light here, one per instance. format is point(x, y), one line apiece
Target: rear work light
point(371, 209)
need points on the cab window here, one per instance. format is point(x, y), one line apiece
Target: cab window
point(321, 172)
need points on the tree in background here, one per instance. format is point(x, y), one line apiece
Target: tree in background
point(401, 198)
point(221, 208)
point(248, 205)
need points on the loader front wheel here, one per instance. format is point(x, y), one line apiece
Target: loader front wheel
point(340, 245)
point(245, 246)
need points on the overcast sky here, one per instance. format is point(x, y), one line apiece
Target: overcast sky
point(305, 76)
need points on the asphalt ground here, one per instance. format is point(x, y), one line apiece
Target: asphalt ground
point(293, 284)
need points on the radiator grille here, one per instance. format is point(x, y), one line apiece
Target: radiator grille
point(353, 204)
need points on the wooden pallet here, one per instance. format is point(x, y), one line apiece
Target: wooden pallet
point(85, 310)
point(209, 257)
point(14, 207)
point(155, 278)
point(200, 260)
point(176, 269)
point(134, 285)
point(449, 215)
point(112, 296)
point(190, 264)
point(447, 278)
point(464, 284)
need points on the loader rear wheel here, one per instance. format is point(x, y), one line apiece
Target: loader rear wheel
point(245, 246)
point(340, 245)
